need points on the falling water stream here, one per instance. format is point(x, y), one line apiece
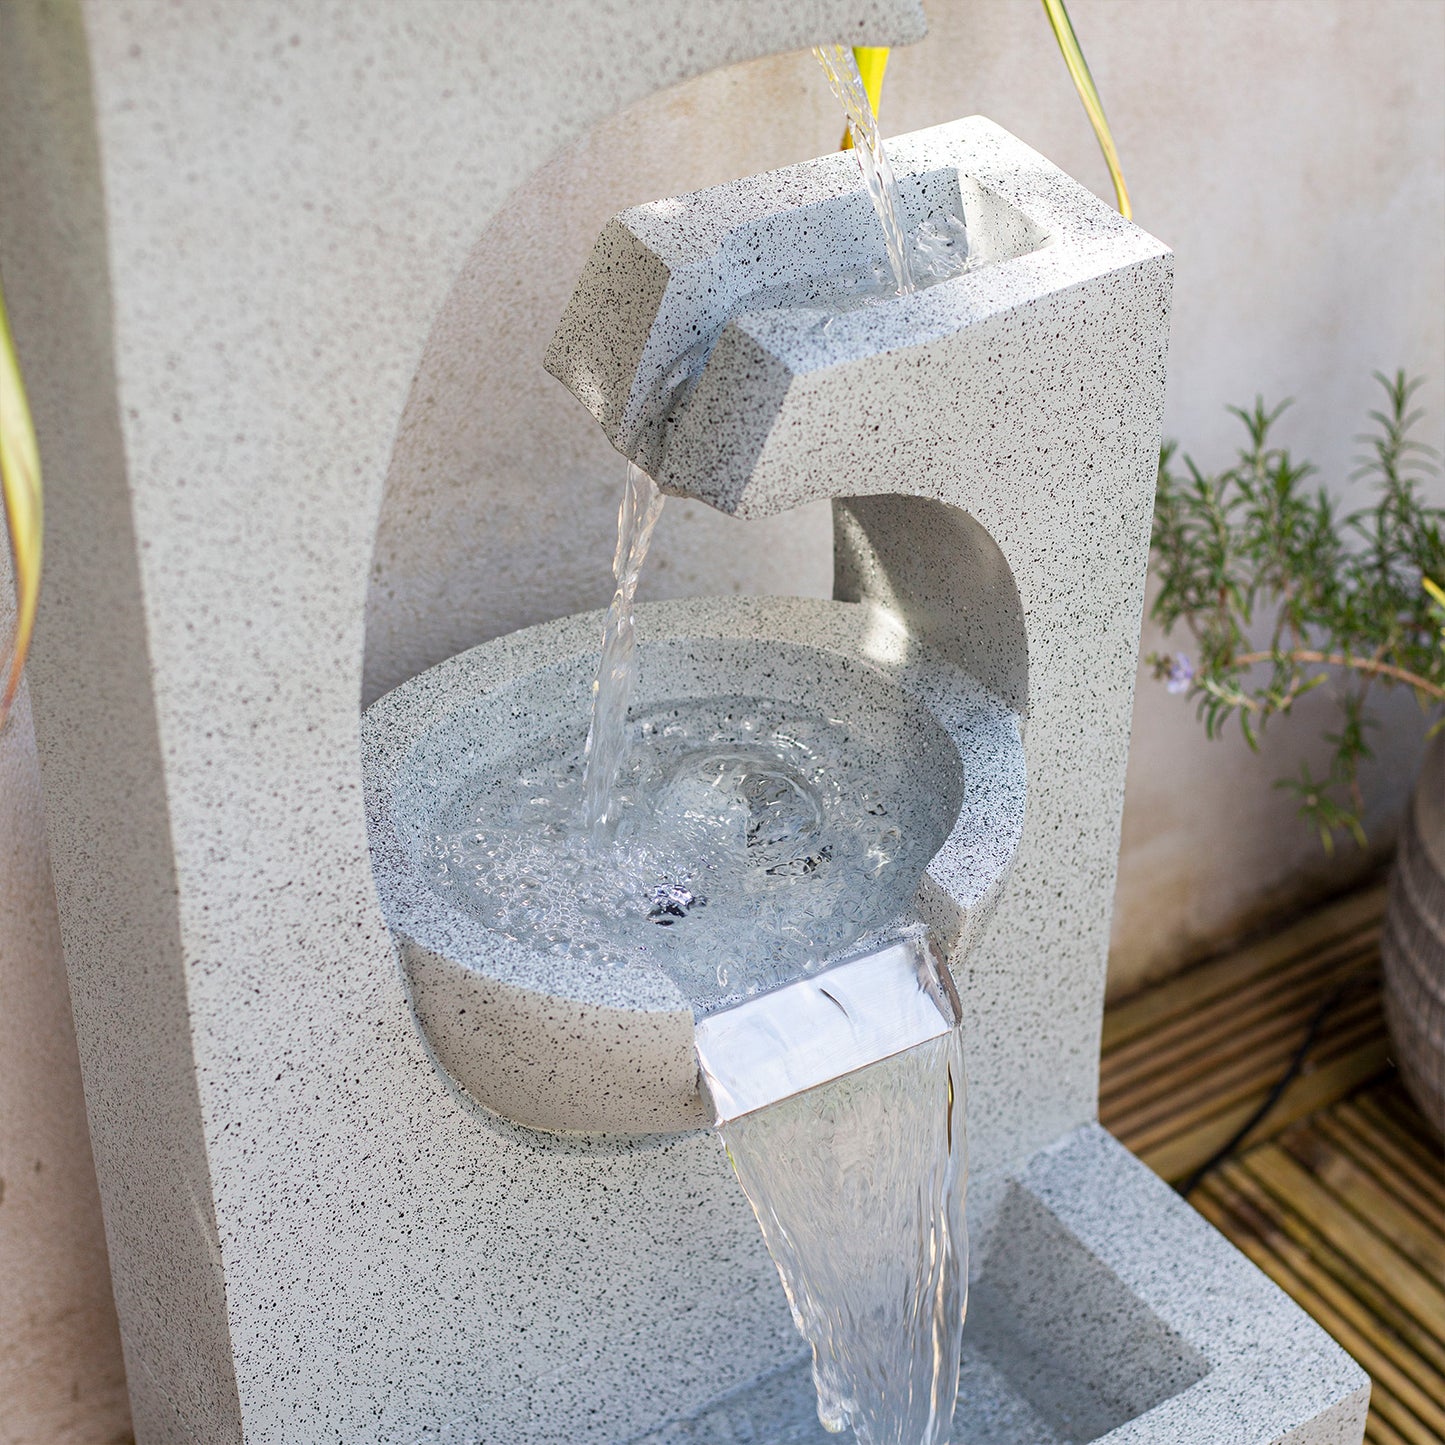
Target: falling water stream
point(842, 72)
point(752, 829)
point(858, 1186)
point(617, 665)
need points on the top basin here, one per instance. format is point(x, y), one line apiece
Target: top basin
point(708, 336)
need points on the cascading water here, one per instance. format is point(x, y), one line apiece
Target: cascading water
point(858, 1186)
point(936, 251)
point(743, 845)
point(617, 665)
point(842, 72)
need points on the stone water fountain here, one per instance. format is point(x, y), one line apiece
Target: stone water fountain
point(472, 1198)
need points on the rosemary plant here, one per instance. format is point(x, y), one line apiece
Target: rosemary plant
point(1350, 598)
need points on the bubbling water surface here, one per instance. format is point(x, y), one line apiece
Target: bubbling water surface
point(747, 840)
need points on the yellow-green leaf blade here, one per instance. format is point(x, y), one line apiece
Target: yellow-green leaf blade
point(21, 488)
point(1089, 94)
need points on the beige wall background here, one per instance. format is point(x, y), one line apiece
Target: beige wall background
point(1292, 151)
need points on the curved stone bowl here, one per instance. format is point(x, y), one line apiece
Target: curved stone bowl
point(561, 1045)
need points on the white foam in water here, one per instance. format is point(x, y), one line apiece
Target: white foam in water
point(748, 839)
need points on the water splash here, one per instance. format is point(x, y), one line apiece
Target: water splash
point(617, 665)
point(878, 179)
point(859, 1189)
point(751, 839)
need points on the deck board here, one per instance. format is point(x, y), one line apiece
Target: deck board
point(1339, 1193)
point(1307, 1269)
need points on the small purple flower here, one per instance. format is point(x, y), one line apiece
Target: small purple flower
point(1181, 673)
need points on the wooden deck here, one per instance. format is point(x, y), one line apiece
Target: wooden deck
point(1339, 1193)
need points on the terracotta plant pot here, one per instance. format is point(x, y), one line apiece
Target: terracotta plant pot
point(1414, 942)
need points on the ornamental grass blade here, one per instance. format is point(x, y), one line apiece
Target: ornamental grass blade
point(1089, 95)
point(20, 486)
point(1436, 593)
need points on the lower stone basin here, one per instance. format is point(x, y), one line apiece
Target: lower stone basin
point(1103, 1311)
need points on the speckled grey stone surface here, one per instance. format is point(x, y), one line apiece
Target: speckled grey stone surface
point(228, 228)
point(556, 1044)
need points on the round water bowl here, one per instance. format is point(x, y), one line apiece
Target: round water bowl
point(555, 1032)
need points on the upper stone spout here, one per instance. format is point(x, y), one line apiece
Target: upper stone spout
point(706, 337)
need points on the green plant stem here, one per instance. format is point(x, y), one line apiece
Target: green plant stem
point(1078, 68)
point(1339, 659)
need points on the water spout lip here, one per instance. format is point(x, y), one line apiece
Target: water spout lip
point(824, 1026)
point(709, 336)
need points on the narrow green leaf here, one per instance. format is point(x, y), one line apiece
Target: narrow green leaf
point(1089, 94)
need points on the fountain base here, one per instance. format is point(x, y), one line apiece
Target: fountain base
point(1103, 1311)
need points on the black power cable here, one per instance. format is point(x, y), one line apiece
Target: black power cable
point(1317, 1022)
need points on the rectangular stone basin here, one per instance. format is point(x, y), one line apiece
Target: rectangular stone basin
point(1102, 1309)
